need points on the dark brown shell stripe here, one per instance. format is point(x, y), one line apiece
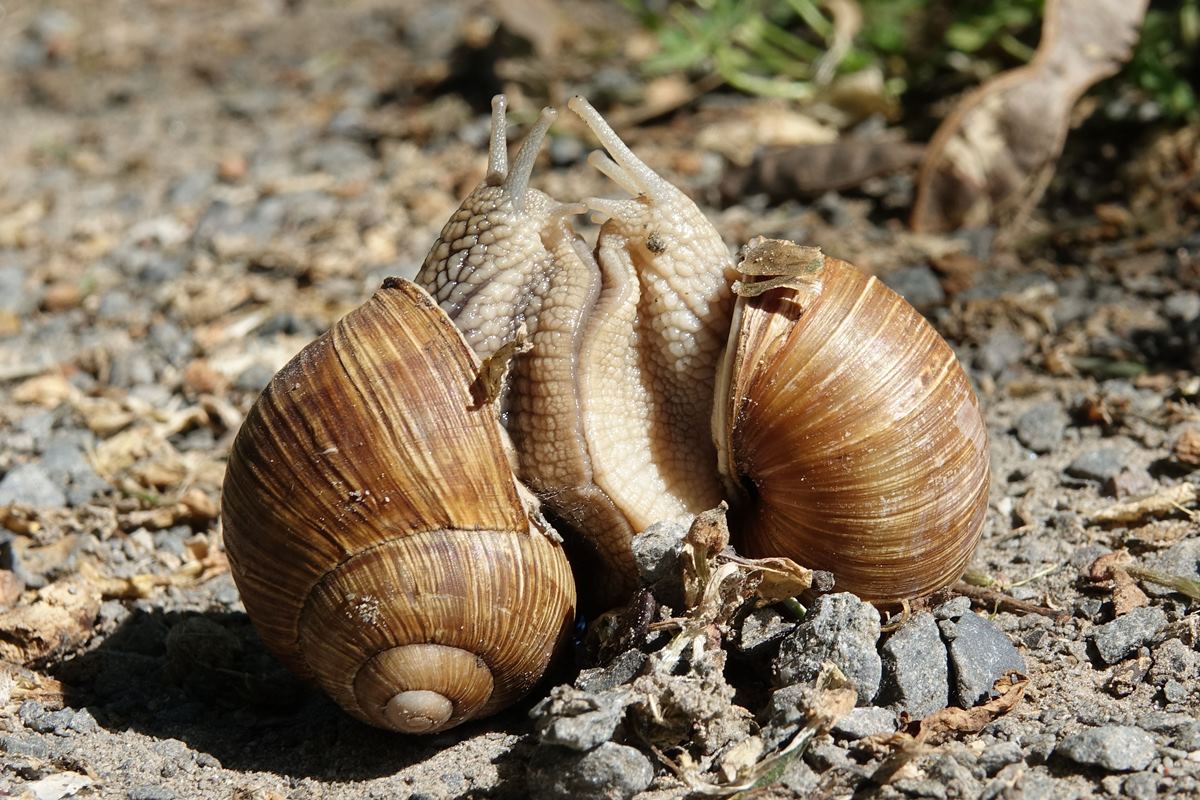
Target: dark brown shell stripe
point(868, 452)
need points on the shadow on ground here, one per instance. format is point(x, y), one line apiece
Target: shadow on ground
point(206, 679)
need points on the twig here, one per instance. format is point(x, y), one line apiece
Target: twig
point(1006, 602)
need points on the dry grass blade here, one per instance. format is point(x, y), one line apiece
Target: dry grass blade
point(1168, 501)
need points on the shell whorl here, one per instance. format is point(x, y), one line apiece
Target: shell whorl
point(375, 530)
point(864, 452)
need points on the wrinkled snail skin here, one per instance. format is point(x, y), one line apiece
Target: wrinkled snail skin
point(375, 531)
point(605, 404)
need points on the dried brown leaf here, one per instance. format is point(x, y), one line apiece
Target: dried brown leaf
point(59, 619)
point(991, 159)
point(942, 725)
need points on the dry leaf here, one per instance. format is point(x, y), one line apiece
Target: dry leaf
point(1126, 594)
point(59, 619)
point(942, 725)
point(49, 391)
point(1168, 501)
point(991, 159)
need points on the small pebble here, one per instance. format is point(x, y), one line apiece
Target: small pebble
point(30, 485)
point(151, 793)
point(579, 720)
point(609, 772)
point(1002, 349)
point(865, 721)
point(953, 608)
point(918, 285)
point(1125, 634)
point(622, 669)
point(840, 628)
point(1097, 465)
point(1041, 428)
point(656, 553)
point(762, 630)
point(1116, 748)
point(1173, 660)
point(980, 654)
point(996, 757)
point(915, 668)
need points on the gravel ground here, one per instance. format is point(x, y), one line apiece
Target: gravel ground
point(193, 191)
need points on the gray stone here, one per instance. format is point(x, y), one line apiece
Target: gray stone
point(840, 628)
point(1041, 428)
point(918, 285)
point(114, 305)
point(999, 755)
point(1174, 692)
point(579, 720)
point(14, 297)
point(1116, 748)
point(66, 464)
point(622, 669)
point(1002, 349)
point(151, 793)
point(17, 745)
point(1125, 634)
point(980, 654)
point(865, 721)
point(253, 378)
point(953, 608)
point(1142, 786)
point(762, 630)
point(1182, 558)
point(1173, 660)
point(29, 484)
point(656, 551)
point(1097, 465)
point(609, 772)
point(916, 675)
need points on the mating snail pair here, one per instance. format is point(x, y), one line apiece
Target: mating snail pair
point(383, 505)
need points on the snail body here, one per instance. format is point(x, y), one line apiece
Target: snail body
point(375, 531)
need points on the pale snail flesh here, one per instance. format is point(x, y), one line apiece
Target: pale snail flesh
point(376, 533)
point(843, 428)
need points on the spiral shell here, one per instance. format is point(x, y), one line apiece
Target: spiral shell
point(378, 537)
point(850, 432)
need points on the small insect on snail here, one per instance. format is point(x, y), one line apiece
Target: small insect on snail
point(388, 537)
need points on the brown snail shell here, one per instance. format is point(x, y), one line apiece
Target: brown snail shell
point(849, 429)
point(374, 528)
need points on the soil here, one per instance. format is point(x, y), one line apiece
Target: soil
point(193, 191)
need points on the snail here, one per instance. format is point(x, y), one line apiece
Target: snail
point(375, 531)
point(385, 504)
point(844, 432)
